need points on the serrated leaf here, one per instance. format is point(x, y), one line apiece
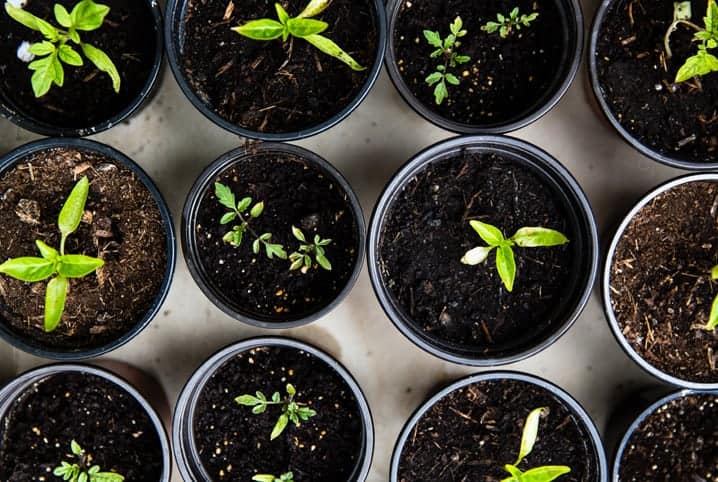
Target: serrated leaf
point(55, 297)
point(78, 265)
point(462, 59)
point(533, 237)
point(506, 266)
point(28, 269)
point(440, 93)
point(103, 63)
point(71, 212)
point(69, 55)
point(434, 39)
point(88, 15)
point(530, 433)
point(262, 29)
point(697, 65)
point(302, 27)
point(330, 48)
point(477, 255)
point(281, 424)
point(225, 196)
point(257, 210)
point(275, 250)
point(44, 75)
point(490, 234)
point(434, 78)
point(314, 8)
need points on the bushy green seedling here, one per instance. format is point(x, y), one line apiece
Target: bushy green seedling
point(84, 471)
point(507, 24)
point(702, 62)
point(292, 411)
point(302, 258)
point(287, 477)
point(447, 49)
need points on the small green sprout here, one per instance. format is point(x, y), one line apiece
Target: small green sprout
point(505, 262)
point(302, 26)
point(446, 48)
point(292, 411)
point(245, 212)
point(65, 266)
point(288, 477)
point(702, 63)
point(56, 49)
point(506, 25)
point(546, 473)
point(713, 318)
point(302, 258)
point(84, 472)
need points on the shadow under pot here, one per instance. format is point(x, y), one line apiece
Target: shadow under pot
point(88, 249)
point(68, 419)
point(273, 406)
point(464, 70)
point(638, 75)
point(478, 426)
point(273, 235)
point(657, 287)
point(276, 71)
point(673, 439)
point(458, 261)
point(87, 71)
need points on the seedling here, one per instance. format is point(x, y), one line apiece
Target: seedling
point(57, 265)
point(84, 471)
point(546, 473)
point(505, 262)
point(507, 24)
point(302, 258)
point(291, 410)
point(302, 26)
point(57, 49)
point(713, 318)
point(245, 212)
point(702, 63)
point(446, 48)
point(288, 477)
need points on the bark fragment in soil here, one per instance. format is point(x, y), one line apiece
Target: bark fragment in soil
point(661, 291)
point(234, 444)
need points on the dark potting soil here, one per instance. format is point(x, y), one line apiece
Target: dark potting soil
point(275, 86)
point(636, 78)
point(505, 77)
point(122, 225)
point(107, 422)
point(679, 441)
point(127, 36)
point(474, 431)
point(235, 444)
point(294, 192)
point(426, 233)
point(661, 288)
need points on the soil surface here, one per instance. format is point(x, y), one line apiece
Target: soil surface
point(636, 77)
point(107, 422)
point(679, 441)
point(235, 445)
point(506, 78)
point(294, 192)
point(474, 431)
point(661, 288)
point(275, 86)
point(122, 225)
point(426, 232)
point(87, 98)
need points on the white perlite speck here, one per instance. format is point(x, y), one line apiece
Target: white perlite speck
point(23, 52)
point(17, 3)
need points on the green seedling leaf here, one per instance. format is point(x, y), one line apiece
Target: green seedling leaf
point(264, 478)
point(477, 255)
point(697, 65)
point(264, 29)
point(712, 320)
point(244, 204)
point(280, 426)
point(506, 266)
point(71, 212)
point(78, 265)
point(300, 235)
point(28, 269)
point(440, 93)
point(314, 8)
point(103, 63)
point(330, 48)
point(434, 39)
point(224, 195)
point(434, 78)
point(69, 55)
point(46, 72)
point(711, 18)
point(46, 251)
point(88, 15)
point(303, 27)
point(247, 400)
point(55, 297)
point(76, 449)
point(23, 17)
point(282, 14)
point(42, 48)
point(62, 16)
point(507, 24)
point(257, 210)
point(490, 234)
point(546, 473)
point(323, 262)
point(538, 237)
point(530, 433)
point(228, 218)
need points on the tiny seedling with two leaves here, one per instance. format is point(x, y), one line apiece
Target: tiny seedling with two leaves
point(546, 473)
point(303, 26)
point(292, 411)
point(84, 471)
point(505, 262)
point(447, 49)
point(56, 49)
point(508, 23)
point(286, 477)
point(302, 258)
point(56, 264)
point(702, 62)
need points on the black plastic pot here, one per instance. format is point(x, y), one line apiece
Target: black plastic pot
point(571, 404)
point(606, 283)
point(37, 349)
point(189, 240)
point(174, 38)
point(15, 113)
point(572, 17)
point(16, 387)
point(672, 161)
point(580, 217)
point(183, 441)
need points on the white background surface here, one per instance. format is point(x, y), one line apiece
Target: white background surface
point(173, 142)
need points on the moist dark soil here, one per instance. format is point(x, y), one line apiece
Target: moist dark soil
point(474, 431)
point(679, 441)
point(426, 233)
point(87, 98)
point(636, 78)
point(294, 192)
point(122, 225)
point(505, 77)
point(107, 422)
point(661, 288)
point(235, 444)
point(275, 86)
